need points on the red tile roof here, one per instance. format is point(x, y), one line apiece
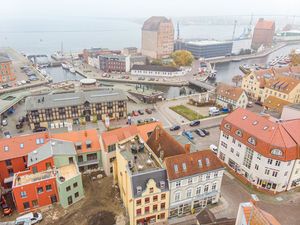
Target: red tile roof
point(275, 103)
point(81, 136)
point(11, 147)
point(268, 135)
point(283, 84)
point(265, 24)
point(209, 162)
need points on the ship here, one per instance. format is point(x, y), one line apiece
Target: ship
point(64, 66)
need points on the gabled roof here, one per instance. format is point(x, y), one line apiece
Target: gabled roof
point(20, 146)
point(275, 103)
point(265, 24)
point(284, 84)
point(153, 23)
point(162, 143)
point(268, 135)
point(83, 137)
point(229, 92)
point(189, 164)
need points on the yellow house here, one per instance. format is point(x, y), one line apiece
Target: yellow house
point(142, 181)
point(284, 88)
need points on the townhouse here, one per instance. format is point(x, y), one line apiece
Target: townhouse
point(58, 110)
point(52, 176)
point(6, 69)
point(231, 97)
point(263, 151)
point(110, 139)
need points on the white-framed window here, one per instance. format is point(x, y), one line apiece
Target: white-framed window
point(208, 176)
point(275, 173)
point(226, 136)
point(256, 167)
point(23, 194)
point(214, 186)
point(177, 184)
point(177, 196)
point(232, 150)
point(270, 161)
point(190, 180)
point(189, 193)
point(277, 163)
point(198, 190)
point(206, 188)
point(267, 171)
point(223, 144)
point(215, 174)
point(258, 156)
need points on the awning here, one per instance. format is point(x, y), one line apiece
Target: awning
point(8, 180)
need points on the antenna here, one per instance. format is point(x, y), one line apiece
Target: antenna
point(235, 22)
point(178, 31)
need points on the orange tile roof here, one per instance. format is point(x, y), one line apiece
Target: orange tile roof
point(265, 24)
point(161, 140)
point(117, 135)
point(13, 145)
point(257, 216)
point(275, 103)
point(209, 162)
point(229, 92)
point(269, 135)
point(283, 84)
point(81, 136)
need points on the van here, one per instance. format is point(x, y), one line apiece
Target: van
point(214, 111)
point(214, 148)
point(33, 217)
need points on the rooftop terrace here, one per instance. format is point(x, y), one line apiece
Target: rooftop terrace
point(24, 178)
point(67, 172)
point(139, 156)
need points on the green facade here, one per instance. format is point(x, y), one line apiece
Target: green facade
point(63, 160)
point(86, 163)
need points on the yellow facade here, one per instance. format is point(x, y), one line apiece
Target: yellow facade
point(151, 206)
point(251, 85)
point(293, 96)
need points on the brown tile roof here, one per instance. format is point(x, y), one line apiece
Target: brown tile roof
point(275, 103)
point(257, 216)
point(161, 141)
point(208, 162)
point(265, 24)
point(283, 84)
point(269, 135)
point(229, 92)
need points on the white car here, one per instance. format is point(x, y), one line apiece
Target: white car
point(33, 217)
point(214, 148)
point(4, 122)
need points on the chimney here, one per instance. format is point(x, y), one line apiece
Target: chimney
point(187, 148)
point(161, 155)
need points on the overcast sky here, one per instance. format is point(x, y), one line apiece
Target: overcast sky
point(144, 8)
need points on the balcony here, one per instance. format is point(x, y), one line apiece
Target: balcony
point(88, 162)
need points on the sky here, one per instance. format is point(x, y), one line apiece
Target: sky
point(18, 9)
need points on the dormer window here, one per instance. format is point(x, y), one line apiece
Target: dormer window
point(21, 145)
point(276, 152)
point(184, 166)
point(162, 184)
point(199, 163)
point(139, 189)
point(227, 126)
point(6, 148)
point(78, 145)
point(88, 144)
point(207, 161)
point(244, 117)
point(252, 140)
point(239, 133)
point(176, 168)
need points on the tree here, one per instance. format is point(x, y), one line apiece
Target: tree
point(156, 62)
point(295, 58)
point(237, 79)
point(182, 58)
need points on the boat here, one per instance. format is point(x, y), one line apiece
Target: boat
point(72, 69)
point(64, 66)
point(236, 60)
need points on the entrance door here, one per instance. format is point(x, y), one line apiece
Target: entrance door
point(53, 199)
point(70, 200)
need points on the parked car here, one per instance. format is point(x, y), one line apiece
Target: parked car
point(250, 104)
point(200, 132)
point(7, 134)
point(33, 217)
point(214, 148)
point(141, 112)
point(22, 119)
point(195, 123)
point(135, 113)
point(149, 111)
point(259, 103)
point(4, 122)
point(214, 111)
point(175, 127)
point(152, 119)
point(19, 125)
point(140, 121)
point(206, 132)
point(39, 129)
point(188, 135)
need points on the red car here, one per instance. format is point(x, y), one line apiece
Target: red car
point(135, 113)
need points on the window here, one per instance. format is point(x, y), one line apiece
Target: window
point(233, 140)
point(237, 154)
point(40, 190)
point(138, 211)
point(239, 133)
point(75, 185)
point(226, 136)
point(184, 166)
point(71, 160)
point(258, 156)
point(70, 200)
point(92, 156)
point(270, 161)
point(267, 171)
point(206, 188)
point(48, 187)
point(227, 126)
point(232, 150)
point(176, 168)
point(252, 140)
point(189, 193)
point(48, 165)
point(277, 163)
point(26, 205)
point(68, 188)
point(276, 152)
point(35, 203)
point(177, 196)
point(23, 194)
point(111, 148)
point(162, 216)
point(223, 144)
point(248, 158)
point(208, 176)
point(10, 172)
point(147, 200)
point(239, 145)
point(256, 166)
point(275, 173)
point(8, 162)
point(177, 184)
point(76, 194)
point(34, 169)
point(198, 190)
point(215, 174)
point(163, 196)
point(155, 198)
point(190, 180)
point(162, 205)
point(154, 208)
point(214, 186)
point(21, 145)
point(147, 209)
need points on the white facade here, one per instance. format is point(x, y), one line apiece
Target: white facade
point(266, 173)
point(240, 103)
point(94, 62)
point(107, 156)
point(158, 73)
point(194, 192)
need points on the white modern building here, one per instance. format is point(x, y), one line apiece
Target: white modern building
point(265, 152)
point(156, 71)
point(194, 181)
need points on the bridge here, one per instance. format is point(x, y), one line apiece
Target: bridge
point(201, 84)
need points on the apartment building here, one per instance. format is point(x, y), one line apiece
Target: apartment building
point(110, 139)
point(57, 110)
point(231, 97)
point(194, 181)
point(157, 37)
point(114, 63)
point(263, 151)
point(142, 181)
point(94, 52)
point(263, 34)
point(154, 70)
point(6, 69)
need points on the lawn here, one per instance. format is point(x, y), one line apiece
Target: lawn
point(186, 112)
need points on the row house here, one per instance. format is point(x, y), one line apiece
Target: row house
point(114, 63)
point(231, 97)
point(57, 110)
point(6, 69)
point(264, 152)
point(52, 176)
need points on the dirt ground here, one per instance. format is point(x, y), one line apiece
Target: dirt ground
point(101, 206)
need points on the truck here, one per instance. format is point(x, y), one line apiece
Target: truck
point(214, 111)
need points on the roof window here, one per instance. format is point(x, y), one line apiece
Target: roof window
point(6, 148)
point(265, 127)
point(162, 184)
point(138, 189)
point(184, 166)
point(255, 122)
point(207, 161)
point(21, 145)
point(245, 117)
point(200, 163)
point(176, 168)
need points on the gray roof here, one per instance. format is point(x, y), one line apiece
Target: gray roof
point(73, 99)
point(51, 148)
point(155, 68)
point(152, 24)
point(4, 59)
point(113, 56)
point(183, 141)
point(294, 106)
point(142, 179)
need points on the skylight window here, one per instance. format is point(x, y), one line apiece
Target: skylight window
point(6, 148)
point(184, 166)
point(244, 117)
point(21, 145)
point(266, 127)
point(207, 161)
point(176, 168)
point(255, 122)
point(200, 163)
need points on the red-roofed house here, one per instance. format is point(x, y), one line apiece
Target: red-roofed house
point(265, 152)
point(14, 151)
point(263, 33)
point(109, 139)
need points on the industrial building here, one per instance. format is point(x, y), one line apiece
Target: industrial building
point(6, 70)
point(263, 34)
